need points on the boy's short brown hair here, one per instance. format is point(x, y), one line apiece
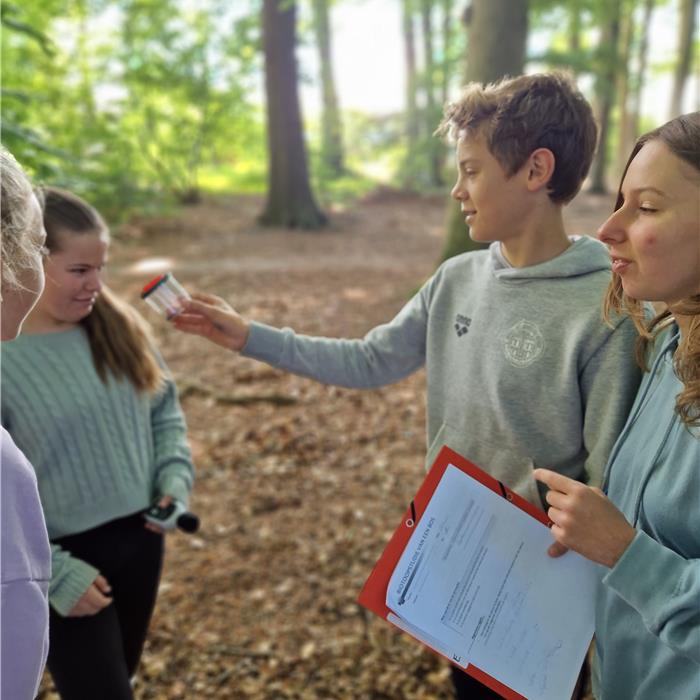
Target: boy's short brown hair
point(520, 115)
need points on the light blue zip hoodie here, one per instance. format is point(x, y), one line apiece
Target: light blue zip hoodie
point(648, 607)
point(522, 370)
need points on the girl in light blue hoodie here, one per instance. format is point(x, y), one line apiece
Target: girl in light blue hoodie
point(643, 528)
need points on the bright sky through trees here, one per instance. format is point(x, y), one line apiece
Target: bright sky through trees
point(168, 94)
point(369, 61)
point(370, 74)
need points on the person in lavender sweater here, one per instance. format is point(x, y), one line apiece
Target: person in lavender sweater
point(25, 567)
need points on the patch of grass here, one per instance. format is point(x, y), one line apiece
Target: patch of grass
point(342, 190)
point(247, 177)
point(250, 177)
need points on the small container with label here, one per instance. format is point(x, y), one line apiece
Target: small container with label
point(165, 294)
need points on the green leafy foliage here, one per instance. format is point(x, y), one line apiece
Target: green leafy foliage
point(136, 104)
point(126, 101)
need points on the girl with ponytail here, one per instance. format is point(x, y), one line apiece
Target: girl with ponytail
point(88, 399)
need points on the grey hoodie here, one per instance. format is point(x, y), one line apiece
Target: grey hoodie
point(522, 371)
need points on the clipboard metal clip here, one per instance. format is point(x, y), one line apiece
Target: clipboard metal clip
point(506, 494)
point(410, 522)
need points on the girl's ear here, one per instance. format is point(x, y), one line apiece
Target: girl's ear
point(540, 168)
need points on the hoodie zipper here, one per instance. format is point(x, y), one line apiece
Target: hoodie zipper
point(630, 424)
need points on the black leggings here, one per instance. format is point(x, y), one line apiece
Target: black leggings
point(95, 656)
point(468, 688)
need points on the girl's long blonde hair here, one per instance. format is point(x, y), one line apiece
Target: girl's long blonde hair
point(120, 340)
point(682, 137)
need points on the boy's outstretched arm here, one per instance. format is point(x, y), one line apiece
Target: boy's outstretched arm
point(211, 317)
point(386, 354)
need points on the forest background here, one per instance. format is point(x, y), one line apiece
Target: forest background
point(311, 193)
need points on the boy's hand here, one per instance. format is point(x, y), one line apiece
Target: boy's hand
point(585, 520)
point(96, 598)
point(210, 316)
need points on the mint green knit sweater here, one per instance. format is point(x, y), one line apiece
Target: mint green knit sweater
point(100, 451)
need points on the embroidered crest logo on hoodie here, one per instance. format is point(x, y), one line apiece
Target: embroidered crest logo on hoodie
point(523, 344)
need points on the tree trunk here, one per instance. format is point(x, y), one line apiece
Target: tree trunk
point(574, 28)
point(686, 29)
point(497, 38)
point(331, 133)
point(290, 202)
point(446, 48)
point(605, 92)
point(82, 60)
point(642, 57)
point(432, 115)
point(624, 78)
point(409, 38)
point(497, 33)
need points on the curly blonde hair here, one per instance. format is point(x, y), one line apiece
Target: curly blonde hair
point(18, 250)
point(682, 136)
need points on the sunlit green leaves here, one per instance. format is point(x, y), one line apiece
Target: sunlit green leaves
point(125, 100)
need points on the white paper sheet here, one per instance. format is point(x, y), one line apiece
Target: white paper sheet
point(476, 580)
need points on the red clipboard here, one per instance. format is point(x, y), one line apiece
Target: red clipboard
point(373, 593)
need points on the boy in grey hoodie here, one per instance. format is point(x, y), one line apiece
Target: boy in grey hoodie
point(522, 371)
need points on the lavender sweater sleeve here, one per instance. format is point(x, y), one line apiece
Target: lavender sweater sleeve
point(24, 577)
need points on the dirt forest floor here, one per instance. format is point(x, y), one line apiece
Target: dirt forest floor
point(299, 485)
